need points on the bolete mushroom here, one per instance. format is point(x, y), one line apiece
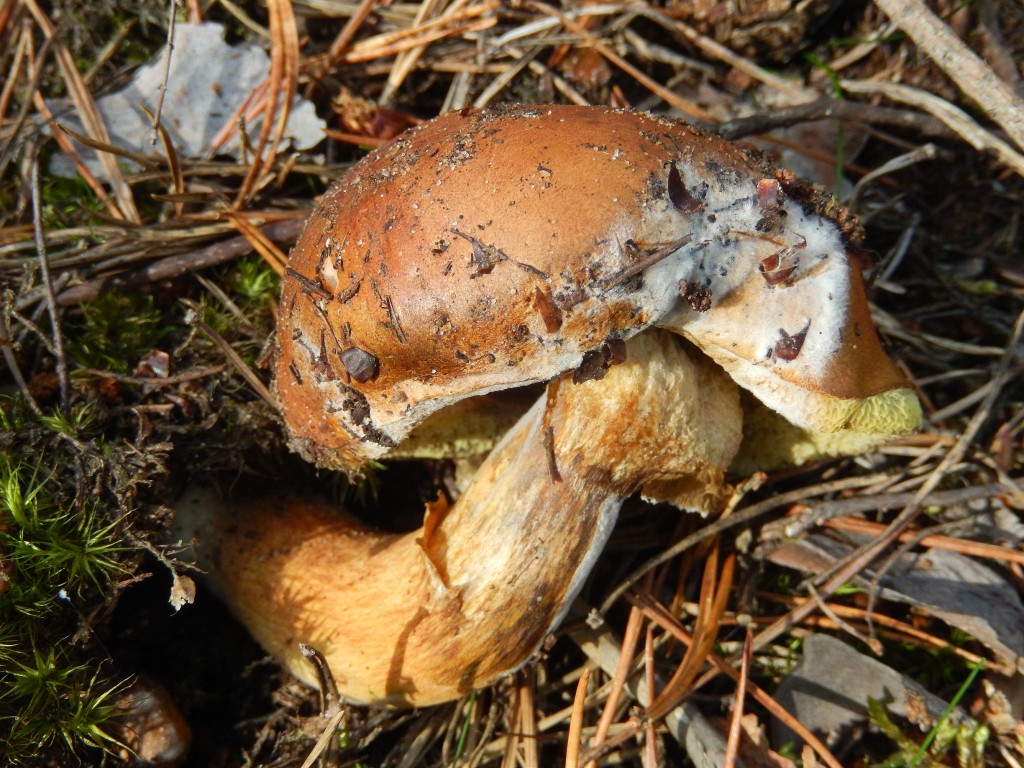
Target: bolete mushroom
point(493, 249)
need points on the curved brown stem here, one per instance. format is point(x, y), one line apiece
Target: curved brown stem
point(427, 616)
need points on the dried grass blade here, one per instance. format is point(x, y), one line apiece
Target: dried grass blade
point(282, 85)
point(954, 117)
point(177, 178)
point(669, 97)
point(262, 244)
point(629, 640)
point(969, 71)
point(713, 596)
point(90, 115)
point(732, 748)
point(574, 738)
point(104, 146)
point(69, 149)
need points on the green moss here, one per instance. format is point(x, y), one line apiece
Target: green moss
point(114, 332)
point(255, 282)
point(64, 201)
point(965, 737)
point(50, 701)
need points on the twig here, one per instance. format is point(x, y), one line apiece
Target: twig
point(161, 90)
point(827, 108)
point(920, 154)
point(954, 117)
point(192, 317)
point(735, 519)
point(964, 67)
point(12, 363)
point(997, 52)
point(733, 744)
point(572, 747)
point(61, 362)
point(326, 685)
point(283, 232)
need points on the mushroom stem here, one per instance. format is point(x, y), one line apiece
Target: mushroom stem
point(424, 617)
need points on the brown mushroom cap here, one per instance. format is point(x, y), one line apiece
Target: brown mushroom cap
point(489, 249)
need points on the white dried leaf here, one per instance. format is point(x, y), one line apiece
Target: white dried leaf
point(207, 82)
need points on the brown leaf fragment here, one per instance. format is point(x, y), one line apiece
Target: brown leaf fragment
point(781, 265)
point(681, 197)
point(596, 362)
point(550, 314)
point(788, 347)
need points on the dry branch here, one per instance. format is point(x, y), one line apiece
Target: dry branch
point(964, 67)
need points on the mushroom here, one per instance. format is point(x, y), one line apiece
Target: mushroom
point(489, 250)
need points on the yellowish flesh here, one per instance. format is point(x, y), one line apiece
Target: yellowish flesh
point(771, 442)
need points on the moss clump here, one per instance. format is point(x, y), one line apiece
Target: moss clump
point(51, 701)
point(115, 331)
